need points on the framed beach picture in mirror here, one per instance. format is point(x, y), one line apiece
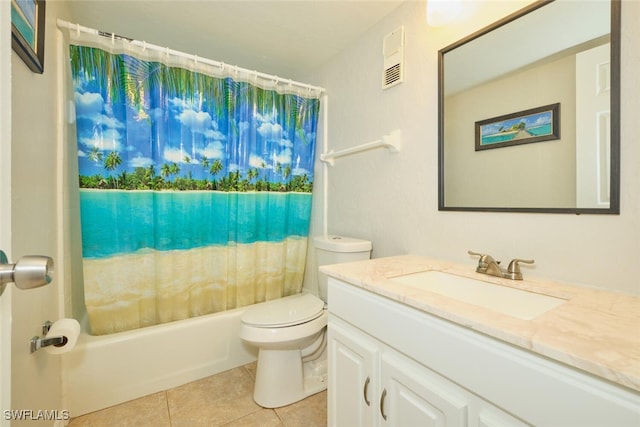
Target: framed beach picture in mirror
point(524, 127)
point(27, 32)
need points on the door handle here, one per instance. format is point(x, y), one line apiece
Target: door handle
point(31, 271)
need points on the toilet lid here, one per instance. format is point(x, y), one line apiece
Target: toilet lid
point(287, 311)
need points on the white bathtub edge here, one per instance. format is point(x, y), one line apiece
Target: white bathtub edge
point(108, 370)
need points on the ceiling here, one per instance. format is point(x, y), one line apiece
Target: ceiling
point(284, 38)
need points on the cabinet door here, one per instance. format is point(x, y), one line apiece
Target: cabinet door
point(413, 395)
point(352, 377)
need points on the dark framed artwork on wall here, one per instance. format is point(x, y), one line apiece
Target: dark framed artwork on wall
point(27, 32)
point(523, 127)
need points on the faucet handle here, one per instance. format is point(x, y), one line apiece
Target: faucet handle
point(484, 261)
point(483, 257)
point(513, 271)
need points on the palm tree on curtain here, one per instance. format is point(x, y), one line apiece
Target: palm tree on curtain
point(95, 155)
point(112, 161)
point(174, 169)
point(216, 168)
point(204, 162)
point(165, 170)
point(129, 79)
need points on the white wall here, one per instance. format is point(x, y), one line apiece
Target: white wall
point(36, 378)
point(392, 198)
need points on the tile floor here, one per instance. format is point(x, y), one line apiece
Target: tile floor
point(224, 399)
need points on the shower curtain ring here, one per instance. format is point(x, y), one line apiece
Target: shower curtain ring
point(77, 30)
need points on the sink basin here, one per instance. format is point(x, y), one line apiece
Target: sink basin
point(510, 301)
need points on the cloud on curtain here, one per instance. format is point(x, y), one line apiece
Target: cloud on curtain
point(195, 189)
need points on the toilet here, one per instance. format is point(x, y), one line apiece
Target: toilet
point(290, 332)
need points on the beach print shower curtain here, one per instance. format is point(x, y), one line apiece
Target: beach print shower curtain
point(195, 189)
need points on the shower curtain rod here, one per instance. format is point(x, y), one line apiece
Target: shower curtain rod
point(79, 28)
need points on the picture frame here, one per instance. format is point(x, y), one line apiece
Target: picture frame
point(27, 32)
point(522, 127)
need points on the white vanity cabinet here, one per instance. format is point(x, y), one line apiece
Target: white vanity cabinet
point(372, 385)
point(393, 365)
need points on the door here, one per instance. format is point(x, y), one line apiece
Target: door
point(5, 203)
point(352, 378)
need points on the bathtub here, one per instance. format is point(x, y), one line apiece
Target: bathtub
point(102, 371)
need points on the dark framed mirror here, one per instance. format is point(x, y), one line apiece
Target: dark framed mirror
point(529, 112)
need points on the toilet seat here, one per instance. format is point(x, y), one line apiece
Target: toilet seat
point(284, 312)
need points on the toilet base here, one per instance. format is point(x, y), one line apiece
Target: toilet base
point(282, 378)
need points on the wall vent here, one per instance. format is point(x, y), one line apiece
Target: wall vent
point(393, 52)
point(392, 75)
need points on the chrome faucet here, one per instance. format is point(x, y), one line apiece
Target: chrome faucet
point(488, 265)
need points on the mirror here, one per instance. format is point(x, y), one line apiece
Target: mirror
point(529, 112)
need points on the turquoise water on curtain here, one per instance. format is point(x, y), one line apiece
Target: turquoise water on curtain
point(121, 222)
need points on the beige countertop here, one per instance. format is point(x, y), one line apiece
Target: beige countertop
point(594, 330)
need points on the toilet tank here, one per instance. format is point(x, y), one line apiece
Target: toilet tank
point(338, 249)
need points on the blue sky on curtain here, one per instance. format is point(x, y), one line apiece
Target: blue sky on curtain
point(195, 189)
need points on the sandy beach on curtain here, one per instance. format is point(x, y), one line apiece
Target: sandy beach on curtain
point(150, 287)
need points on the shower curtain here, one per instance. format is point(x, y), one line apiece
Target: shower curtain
point(195, 184)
